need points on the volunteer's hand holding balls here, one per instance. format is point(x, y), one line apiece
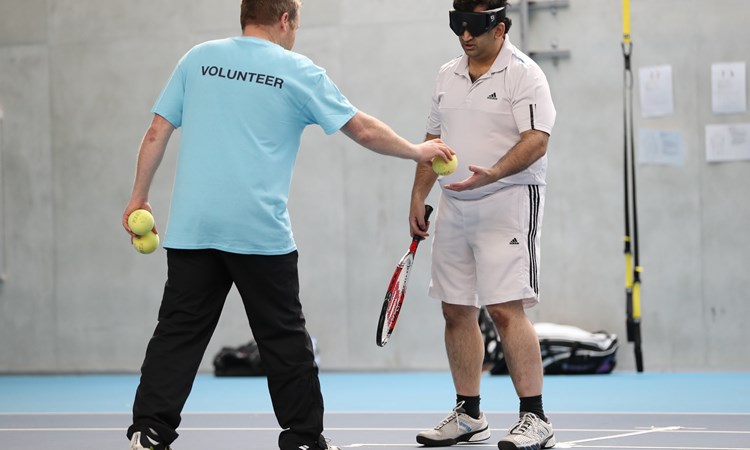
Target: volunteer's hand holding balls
point(142, 225)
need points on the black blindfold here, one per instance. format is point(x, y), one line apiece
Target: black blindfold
point(476, 23)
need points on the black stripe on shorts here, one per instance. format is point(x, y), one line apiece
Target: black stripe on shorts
point(533, 224)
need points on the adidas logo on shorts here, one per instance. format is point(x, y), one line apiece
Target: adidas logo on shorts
point(514, 242)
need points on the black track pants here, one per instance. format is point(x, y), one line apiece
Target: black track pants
point(198, 282)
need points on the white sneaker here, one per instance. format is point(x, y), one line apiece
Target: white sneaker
point(329, 447)
point(457, 427)
point(530, 433)
point(146, 443)
point(319, 445)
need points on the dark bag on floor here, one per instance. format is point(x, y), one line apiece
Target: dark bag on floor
point(565, 349)
point(242, 361)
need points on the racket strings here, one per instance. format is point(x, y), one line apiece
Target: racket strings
point(398, 292)
point(394, 306)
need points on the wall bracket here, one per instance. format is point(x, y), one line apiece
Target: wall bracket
point(525, 8)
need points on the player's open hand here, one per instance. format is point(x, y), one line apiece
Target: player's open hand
point(480, 176)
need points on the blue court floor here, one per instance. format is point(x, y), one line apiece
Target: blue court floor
point(687, 411)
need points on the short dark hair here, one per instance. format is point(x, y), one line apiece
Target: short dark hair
point(470, 5)
point(267, 12)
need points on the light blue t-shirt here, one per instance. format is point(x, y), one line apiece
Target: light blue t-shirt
point(242, 104)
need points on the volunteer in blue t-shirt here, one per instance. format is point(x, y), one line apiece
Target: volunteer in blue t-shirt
point(242, 104)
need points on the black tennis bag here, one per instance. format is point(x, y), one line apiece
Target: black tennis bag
point(242, 361)
point(565, 349)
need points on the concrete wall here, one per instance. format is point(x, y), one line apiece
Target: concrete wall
point(78, 78)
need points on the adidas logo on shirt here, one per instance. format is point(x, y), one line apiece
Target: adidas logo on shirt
point(514, 242)
point(492, 96)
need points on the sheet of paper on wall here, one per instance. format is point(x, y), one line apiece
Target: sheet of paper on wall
point(657, 97)
point(728, 142)
point(661, 147)
point(728, 91)
point(2, 151)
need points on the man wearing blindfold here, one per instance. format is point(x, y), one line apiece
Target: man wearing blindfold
point(493, 107)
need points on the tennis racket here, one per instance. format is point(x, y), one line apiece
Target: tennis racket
point(394, 297)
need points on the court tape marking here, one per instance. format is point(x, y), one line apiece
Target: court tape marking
point(354, 413)
point(576, 443)
point(642, 447)
point(624, 432)
point(573, 445)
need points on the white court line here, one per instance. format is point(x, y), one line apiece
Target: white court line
point(346, 413)
point(652, 447)
point(677, 430)
point(560, 445)
point(572, 444)
point(575, 444)
point(625, 432)
point(410, 445)
point(622, 447)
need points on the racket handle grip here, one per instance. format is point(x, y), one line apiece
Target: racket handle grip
point(427, 212)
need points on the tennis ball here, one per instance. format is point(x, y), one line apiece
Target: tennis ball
point(147, 243)
point(444, 168)
point(140, 222)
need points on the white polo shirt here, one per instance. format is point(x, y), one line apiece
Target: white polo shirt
point(481, 121)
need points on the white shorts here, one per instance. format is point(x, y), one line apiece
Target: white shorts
point(486, 251)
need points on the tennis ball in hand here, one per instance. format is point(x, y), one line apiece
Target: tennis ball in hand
point(444, 168)
point(140, 222)
point(148, 243)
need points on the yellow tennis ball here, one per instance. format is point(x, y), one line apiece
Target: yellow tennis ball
point(148, 243)
point(140, 222)
point(444, 168)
